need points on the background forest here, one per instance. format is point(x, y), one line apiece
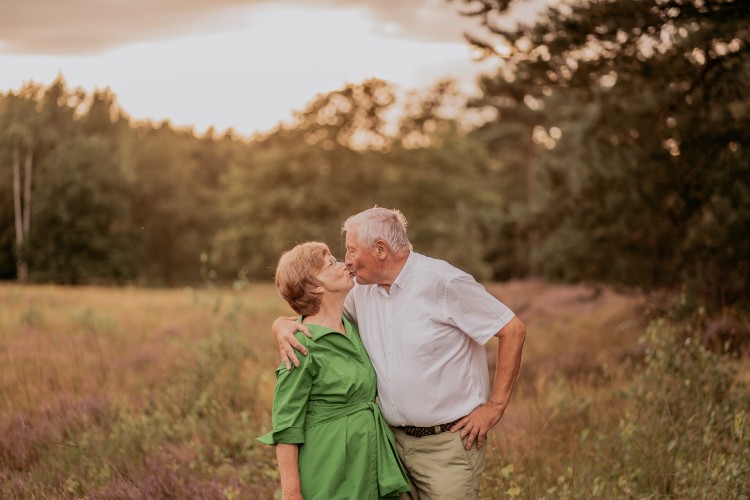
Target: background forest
point(611, 144)
point(598, 183)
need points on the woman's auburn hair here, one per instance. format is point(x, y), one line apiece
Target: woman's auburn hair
point(295, 276)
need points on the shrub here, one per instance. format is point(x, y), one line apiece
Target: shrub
point(679, 428)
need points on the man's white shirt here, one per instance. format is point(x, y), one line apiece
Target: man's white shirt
point(426, 340)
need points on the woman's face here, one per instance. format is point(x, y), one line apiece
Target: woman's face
point(335, 276)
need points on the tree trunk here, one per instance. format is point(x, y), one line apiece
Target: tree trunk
point(531, 154)
point(27, 178)
point(21, 267)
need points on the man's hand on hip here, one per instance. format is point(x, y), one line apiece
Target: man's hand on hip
point(477, 423)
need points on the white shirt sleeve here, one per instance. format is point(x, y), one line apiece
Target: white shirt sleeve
point(468, 306)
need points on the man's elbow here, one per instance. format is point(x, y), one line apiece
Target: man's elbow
point(515, 330)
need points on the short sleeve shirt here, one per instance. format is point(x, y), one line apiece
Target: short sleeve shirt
point(426, 340)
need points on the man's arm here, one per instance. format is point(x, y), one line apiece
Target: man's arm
point(509, 348)
point(283, 332)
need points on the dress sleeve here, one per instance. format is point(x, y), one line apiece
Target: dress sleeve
point(468, 306)
point(290, 399)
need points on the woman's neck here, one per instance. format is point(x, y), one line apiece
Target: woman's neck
point(330, 313)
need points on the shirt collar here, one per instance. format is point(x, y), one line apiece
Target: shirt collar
point(408, 272)
point(318, 331)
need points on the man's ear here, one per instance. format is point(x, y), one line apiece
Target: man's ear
point(381, 247)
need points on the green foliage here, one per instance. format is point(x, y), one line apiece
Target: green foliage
point(637, 110)
point(174, 204)
point(158, 187)
point(79, 235)
point(692, 440)
point(677, 429)
point(300, 183)
point(610, 145)
point(288, 192)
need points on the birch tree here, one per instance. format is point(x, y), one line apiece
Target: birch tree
point(17, 133)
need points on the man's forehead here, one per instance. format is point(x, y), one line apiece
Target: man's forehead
point(351, 237)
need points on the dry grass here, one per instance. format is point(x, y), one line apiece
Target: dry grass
point(133, 393)
point(574, 332)
point(70, 342)
point(105, 388)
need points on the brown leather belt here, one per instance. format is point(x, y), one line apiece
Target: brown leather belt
point(427, 431)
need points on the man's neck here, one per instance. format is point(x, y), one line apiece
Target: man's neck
point(393, 270)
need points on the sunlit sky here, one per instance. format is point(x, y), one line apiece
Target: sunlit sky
point(244, 64)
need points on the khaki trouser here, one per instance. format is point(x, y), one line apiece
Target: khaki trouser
point(439, 467)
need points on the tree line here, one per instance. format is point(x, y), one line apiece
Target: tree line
point(611, 144)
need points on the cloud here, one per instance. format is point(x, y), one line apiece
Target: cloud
point(94, 26)
point(91, 26)
point(439, 20)
point(423, 20)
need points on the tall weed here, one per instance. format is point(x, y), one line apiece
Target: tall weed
point(191, 436)
point(679, 429)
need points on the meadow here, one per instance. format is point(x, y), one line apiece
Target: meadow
point(148, 393)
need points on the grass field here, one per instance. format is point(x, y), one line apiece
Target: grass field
point(140, 393)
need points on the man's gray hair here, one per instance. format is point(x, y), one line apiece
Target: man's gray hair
point(380, 223)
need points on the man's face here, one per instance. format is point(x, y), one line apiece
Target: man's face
point(362, 261)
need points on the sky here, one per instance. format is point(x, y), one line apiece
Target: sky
point(241, 64)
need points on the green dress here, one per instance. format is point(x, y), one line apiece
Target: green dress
point(327, 406)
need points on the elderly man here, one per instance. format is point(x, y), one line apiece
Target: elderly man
point(424, 324)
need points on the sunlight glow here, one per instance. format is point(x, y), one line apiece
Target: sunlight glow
point(249, 77)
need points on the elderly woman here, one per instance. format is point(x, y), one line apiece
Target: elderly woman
point(331, 440)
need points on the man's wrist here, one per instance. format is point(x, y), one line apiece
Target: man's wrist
point(497, 404)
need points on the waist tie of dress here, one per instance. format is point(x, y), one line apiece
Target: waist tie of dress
point(391, 474)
